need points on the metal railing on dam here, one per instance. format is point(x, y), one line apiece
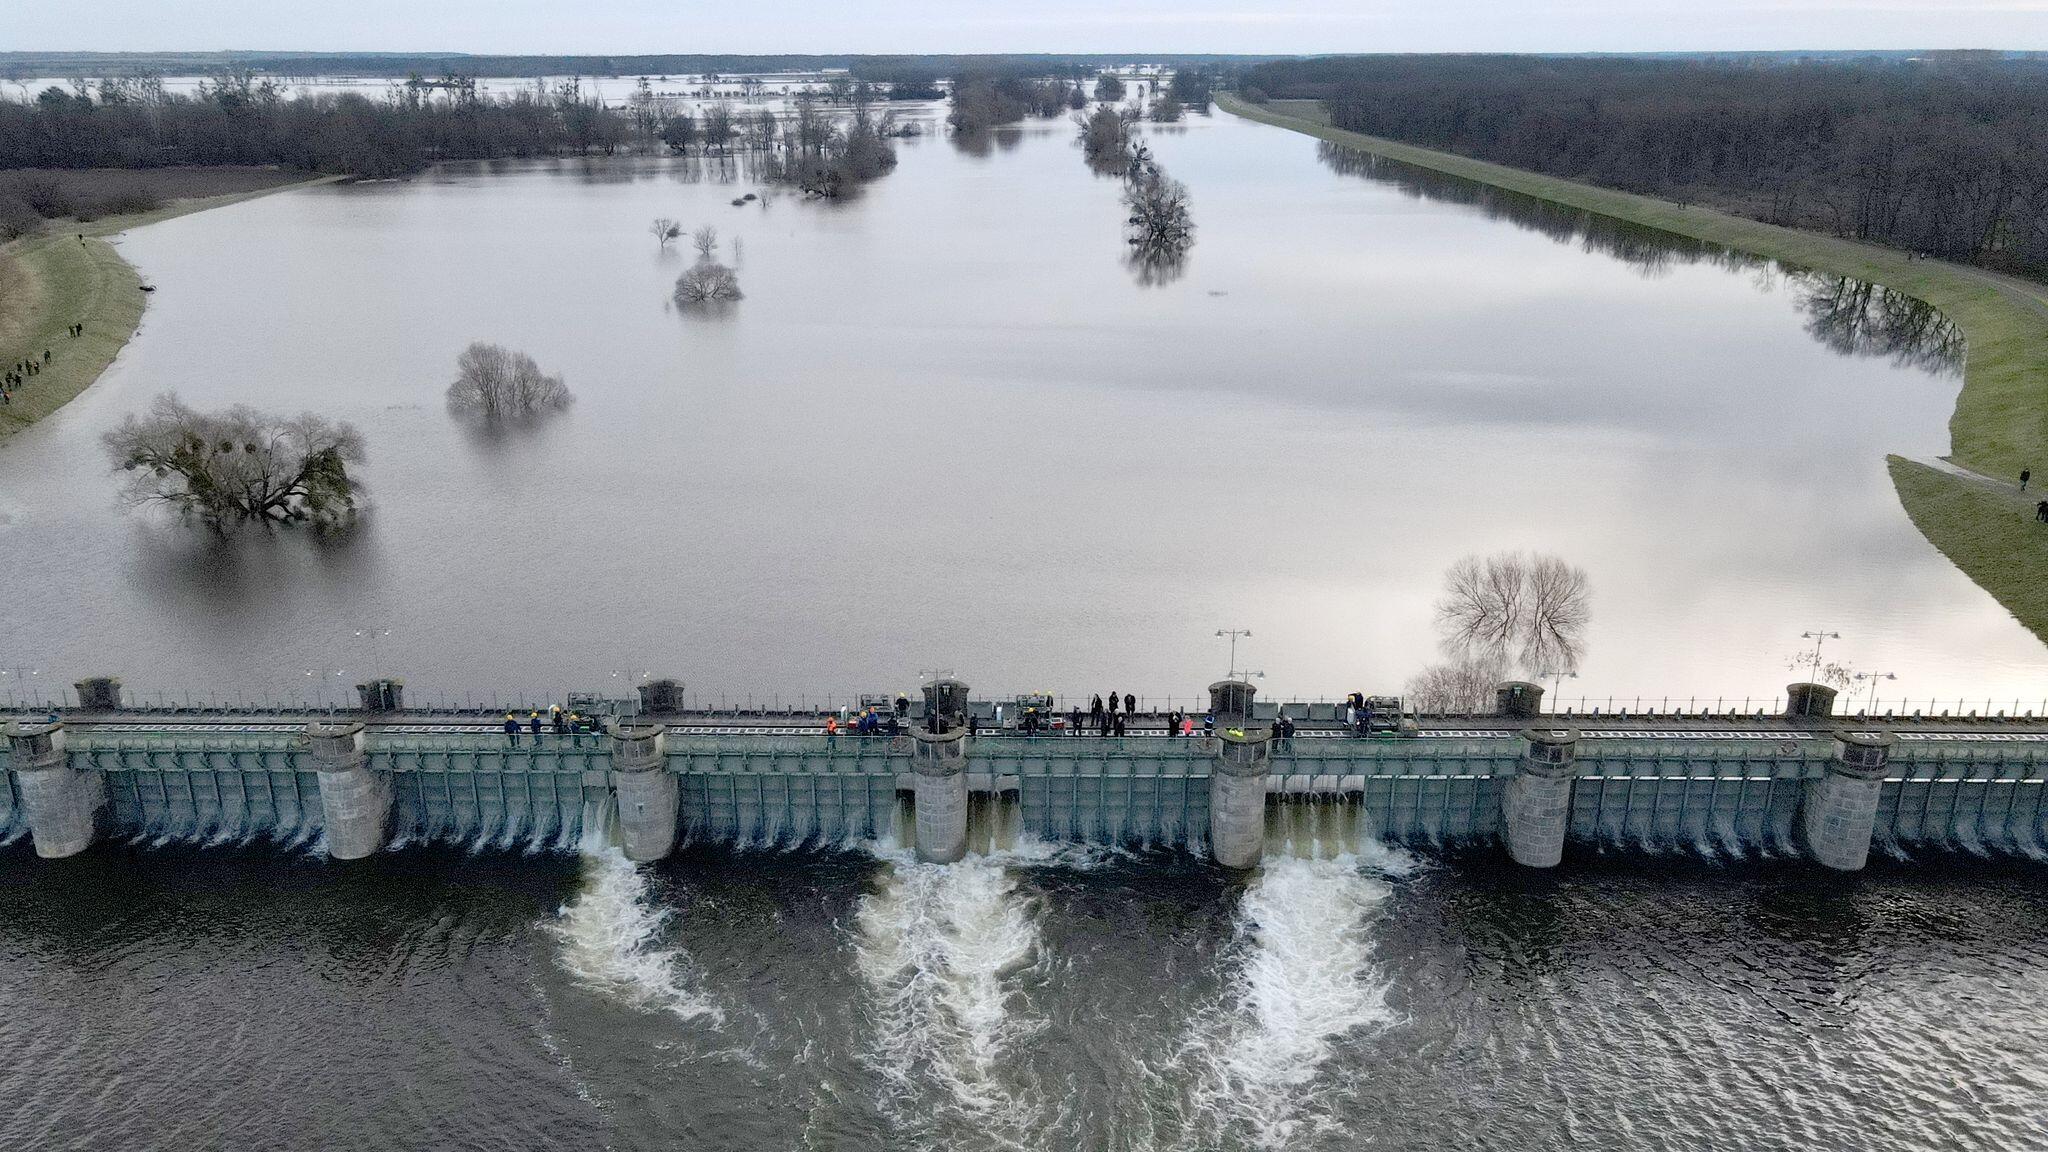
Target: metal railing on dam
point(357, 785)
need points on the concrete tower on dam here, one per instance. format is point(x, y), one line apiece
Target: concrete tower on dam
point(1237, 776)
point(939, 773)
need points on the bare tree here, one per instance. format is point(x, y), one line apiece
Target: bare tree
point(707, 281)
point(1557, 607)
point(1460, 686)
point(238, 464)
point(496, 382)
point(665, 231)
point(1509, 611)
point(705, 240)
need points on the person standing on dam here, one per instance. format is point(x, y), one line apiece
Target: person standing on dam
point(1074, 720)
point(533, 725)
point(511, 730)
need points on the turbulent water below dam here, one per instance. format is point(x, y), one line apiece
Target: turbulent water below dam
point(246, 996)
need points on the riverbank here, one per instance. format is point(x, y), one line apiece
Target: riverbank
point(70, 274)
point(2000, 423)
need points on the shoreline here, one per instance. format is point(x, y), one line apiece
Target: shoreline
point(2000, 423)
point(68, 281)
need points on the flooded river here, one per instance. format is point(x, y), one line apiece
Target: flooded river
point(948, 427)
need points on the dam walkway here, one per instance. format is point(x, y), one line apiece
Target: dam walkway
point(1827, 788)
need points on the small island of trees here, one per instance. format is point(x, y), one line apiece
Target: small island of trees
point(237, 465)
point(497, 383)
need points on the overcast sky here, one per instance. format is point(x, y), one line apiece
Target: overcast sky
point(651, 26)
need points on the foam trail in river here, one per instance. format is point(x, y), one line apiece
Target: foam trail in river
point(1304, 979)
point(611, 932)
point(940, 947)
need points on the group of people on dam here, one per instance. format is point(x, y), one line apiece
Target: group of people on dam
point(563, 724)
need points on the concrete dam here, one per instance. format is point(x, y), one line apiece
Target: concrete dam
point(959, 776)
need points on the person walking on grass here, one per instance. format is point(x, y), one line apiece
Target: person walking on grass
point(2025, 476)
point(2041, 511)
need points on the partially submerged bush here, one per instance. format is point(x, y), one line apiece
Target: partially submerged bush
point(496, 382)
point(239, 464)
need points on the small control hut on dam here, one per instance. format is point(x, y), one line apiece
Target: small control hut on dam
point(959, 776)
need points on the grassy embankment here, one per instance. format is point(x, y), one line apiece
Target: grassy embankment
point(2000, 424)
point(51, 281)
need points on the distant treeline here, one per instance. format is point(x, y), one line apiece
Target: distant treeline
point(1942, 155)
point(240, 120)
point(399, 65)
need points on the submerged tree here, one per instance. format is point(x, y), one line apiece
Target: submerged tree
point(1159, 222)
point(705, 241)
point(1106, 138)
point(496, 383)
point(707, 281)
point(238, 464)
point(665, 231)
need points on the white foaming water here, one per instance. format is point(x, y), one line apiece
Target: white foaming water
point(611, 932)
point(939, 947)
point(1305, 978)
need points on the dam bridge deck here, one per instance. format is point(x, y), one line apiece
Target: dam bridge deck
point(1715, 784)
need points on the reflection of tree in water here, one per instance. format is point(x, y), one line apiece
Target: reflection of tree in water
point(1849, 316)
point(1650, 251)
point(982, 141)
point(1858, 318)
point(1156, 266)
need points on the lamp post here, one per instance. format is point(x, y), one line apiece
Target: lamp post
point(1234, 634)
point(1874, 677)
point(22, 674)
point(1557, 679)
point(1819, 638)
point(374, 637)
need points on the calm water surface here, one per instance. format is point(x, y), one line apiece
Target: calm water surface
point(246, 998)
point(949, 428)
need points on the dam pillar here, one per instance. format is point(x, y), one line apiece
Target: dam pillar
point(1536, 807)
point(1839, 812)
point(939, 773)
point(1237, 777)
point(1809, 701)
point(61, 803)
point(1518, 699)
point(99, 694)
point(384, 694)
point(355, 801)
point(649, 794)
point(661, 697)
